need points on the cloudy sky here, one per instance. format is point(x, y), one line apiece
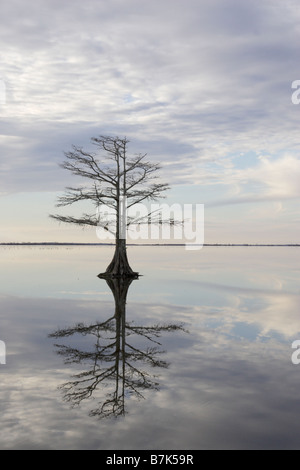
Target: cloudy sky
point(202, 86)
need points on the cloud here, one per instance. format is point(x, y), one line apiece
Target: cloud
point(280, 176)
point(269, 180)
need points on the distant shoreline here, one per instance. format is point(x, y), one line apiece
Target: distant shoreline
point(147, 244)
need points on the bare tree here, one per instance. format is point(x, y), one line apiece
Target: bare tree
point(119, 182)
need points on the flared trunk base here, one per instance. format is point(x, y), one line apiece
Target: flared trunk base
point(119, 266)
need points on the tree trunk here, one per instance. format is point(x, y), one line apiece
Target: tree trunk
point(119, 266)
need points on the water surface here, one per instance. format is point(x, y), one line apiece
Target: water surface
point(199, 356)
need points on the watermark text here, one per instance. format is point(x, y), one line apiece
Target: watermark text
point(296, 354)
point(296, 94)
point(2, 353)
point(182, 223)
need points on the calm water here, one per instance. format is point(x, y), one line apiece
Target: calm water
point(199, 356)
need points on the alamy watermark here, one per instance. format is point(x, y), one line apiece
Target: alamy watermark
point(2, 93)
point(2, 353)
point(296, 94)
point(181, 223)
point(295, 356)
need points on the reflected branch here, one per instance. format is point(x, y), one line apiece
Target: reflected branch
point(116, 359)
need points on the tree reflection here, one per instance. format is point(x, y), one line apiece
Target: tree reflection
point(118, 359)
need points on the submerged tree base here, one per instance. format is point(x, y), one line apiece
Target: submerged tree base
point(133, 275)
point(119, 266)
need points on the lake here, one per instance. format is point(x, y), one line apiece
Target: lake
point(195, 354)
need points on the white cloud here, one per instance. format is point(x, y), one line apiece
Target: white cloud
point(276, 178)
point(281, 176)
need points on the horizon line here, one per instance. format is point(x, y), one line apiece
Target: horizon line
point(140, 244)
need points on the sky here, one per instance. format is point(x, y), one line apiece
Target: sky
point(208, 88)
